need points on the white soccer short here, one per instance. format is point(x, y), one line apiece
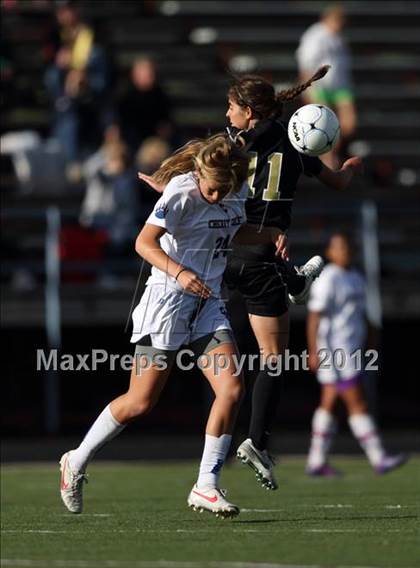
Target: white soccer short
point(174, 318)
point(337, 365)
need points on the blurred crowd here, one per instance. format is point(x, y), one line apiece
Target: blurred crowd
point(102, 132)
point(104, 129)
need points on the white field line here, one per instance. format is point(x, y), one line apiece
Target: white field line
point(27, 563)
point(262, 510)
point(88, 515)
point(195, 531)
point(337, 506)
point(143, 564)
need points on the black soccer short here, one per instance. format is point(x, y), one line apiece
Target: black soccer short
point(260, 283)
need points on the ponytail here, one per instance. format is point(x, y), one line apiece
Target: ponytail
point(290, 94)
point(259, 95)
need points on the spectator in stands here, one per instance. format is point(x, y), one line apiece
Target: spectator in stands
point(144, 109)
point(150, 156)
point(112, 200)
point(321, 44)
point(96, 161)
point(78, 83)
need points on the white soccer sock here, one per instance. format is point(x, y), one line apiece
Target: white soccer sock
point(102, 430)
point(214, 455)
point(323, 429)
point(364, 429)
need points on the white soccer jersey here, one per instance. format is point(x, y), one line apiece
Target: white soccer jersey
point(319, 46)
point(340, 296)
point(198, 233)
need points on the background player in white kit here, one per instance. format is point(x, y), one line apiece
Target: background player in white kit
point(186, 240)
point(337, 324)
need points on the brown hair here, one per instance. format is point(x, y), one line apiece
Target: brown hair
point(259, 94)
point(216, 158)
point(345, 235)
point(117, 150)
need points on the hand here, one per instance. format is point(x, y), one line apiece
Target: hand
point(192, 283)
point(74, 82)
point(150, 181)
point(355, 164)
point(280, 240)
point(313, 361)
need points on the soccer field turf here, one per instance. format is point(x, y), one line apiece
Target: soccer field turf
point(136, 517)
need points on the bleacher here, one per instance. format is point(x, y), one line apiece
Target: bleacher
point(195, 44)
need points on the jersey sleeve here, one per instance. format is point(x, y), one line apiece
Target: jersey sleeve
point(170, 208)
point(321, 294)
point(312, 166)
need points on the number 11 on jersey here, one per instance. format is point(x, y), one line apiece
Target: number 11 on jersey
point(272, 191)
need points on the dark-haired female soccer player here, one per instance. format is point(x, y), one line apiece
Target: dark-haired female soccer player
point(265, 281)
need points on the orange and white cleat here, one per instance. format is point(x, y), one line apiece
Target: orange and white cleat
point(213, 500)
point(71, 485)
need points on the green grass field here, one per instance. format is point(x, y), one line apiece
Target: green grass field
point(136, 517)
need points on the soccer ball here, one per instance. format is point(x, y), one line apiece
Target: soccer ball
point(313, 130)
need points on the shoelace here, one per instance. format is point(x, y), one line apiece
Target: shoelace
point(223, 493)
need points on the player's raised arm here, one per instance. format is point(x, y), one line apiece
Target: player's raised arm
point(341, 178)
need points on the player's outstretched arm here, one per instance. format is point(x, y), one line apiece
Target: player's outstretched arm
point(341, 178)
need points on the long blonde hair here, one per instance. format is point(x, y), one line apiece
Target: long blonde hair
point(215, 158)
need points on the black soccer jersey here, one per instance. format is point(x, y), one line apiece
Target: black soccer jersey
point(275, 168)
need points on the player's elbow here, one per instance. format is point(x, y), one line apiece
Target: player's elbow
point(333, 179)
point(139, 245)
point(340, 184)
point(143, 245)
point(343, 180)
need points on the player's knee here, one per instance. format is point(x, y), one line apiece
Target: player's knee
point(137, 408)
point(236, 393)
point(357, 407)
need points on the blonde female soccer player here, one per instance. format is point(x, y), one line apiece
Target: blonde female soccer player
point(185, 240)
